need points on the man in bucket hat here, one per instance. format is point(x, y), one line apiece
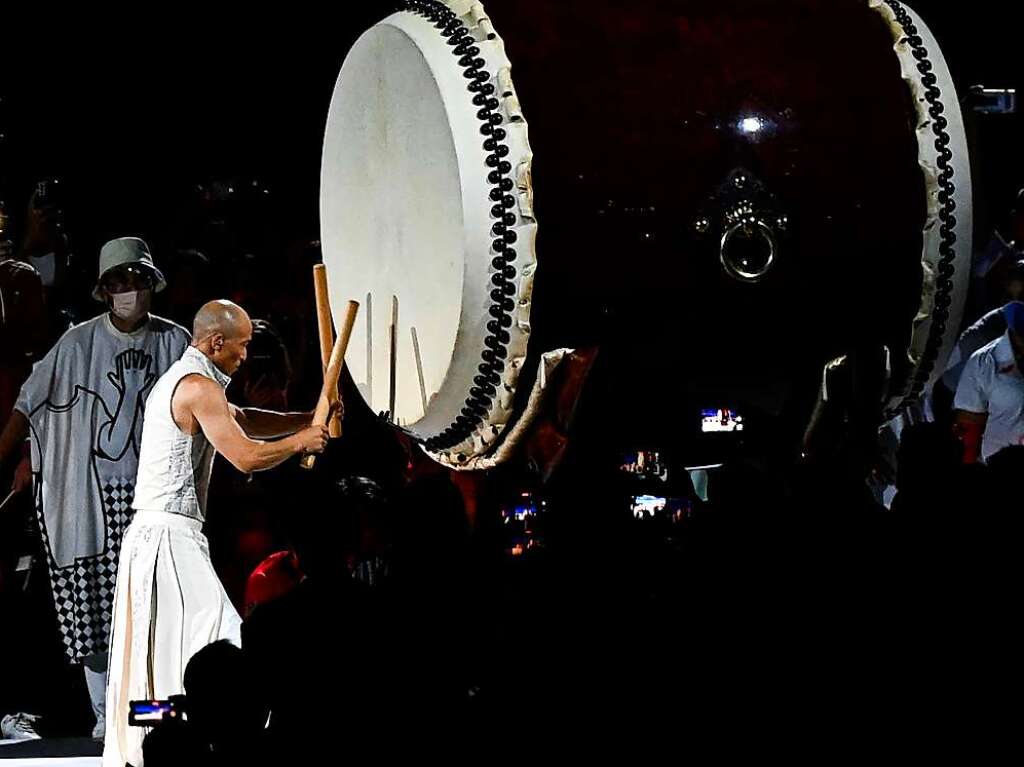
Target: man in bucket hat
point(81, 410)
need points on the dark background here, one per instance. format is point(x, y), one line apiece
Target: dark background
point(132, 112)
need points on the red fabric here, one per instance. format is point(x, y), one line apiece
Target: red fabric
point(274, 577)
point(970, 435)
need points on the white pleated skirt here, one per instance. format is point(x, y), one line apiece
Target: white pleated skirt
point(168, 605)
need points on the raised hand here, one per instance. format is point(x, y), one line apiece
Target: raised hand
point(132, 374)
point(132, 377)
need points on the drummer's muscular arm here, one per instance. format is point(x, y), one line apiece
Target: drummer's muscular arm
point(200, 402)
point(268, 424)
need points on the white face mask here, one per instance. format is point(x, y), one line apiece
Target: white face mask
point(131, 306)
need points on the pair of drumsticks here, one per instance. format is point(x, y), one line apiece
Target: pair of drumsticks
point(332, 355)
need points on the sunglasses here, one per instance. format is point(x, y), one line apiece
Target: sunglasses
point(116, 280)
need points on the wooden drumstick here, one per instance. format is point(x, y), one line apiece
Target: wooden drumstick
point(323, 315)
point(419, 368)
point(337, 361)
point(369, 350)
point(326, 330)
point(394, 359)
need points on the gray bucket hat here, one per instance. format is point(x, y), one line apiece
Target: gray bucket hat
point(127, 250)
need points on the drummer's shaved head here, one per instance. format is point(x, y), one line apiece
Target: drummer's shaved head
point(220, 317)
point(222, 331)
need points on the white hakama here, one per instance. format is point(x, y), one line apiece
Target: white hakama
point(169, 604)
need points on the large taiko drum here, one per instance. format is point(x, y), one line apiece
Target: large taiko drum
point(784, 179)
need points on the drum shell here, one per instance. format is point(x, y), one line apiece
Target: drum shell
point(636, 113)
point(641, 114)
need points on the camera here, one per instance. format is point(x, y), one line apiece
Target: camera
point(653, 506)
point(718, 420)
point(993, 101)
point(149, 713)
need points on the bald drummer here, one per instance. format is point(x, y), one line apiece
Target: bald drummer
point(169, 602)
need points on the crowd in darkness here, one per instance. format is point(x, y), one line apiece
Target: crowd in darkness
point(379, 599)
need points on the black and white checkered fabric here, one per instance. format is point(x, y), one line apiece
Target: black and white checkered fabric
point(83, 593)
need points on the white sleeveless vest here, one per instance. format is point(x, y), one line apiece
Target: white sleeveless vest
point(174, 467)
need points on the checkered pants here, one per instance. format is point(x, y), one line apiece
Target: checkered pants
point(83, 593)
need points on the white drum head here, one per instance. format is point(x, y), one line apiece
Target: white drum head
point(410, 197)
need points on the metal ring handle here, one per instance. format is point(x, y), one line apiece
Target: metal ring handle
point(740, 271)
